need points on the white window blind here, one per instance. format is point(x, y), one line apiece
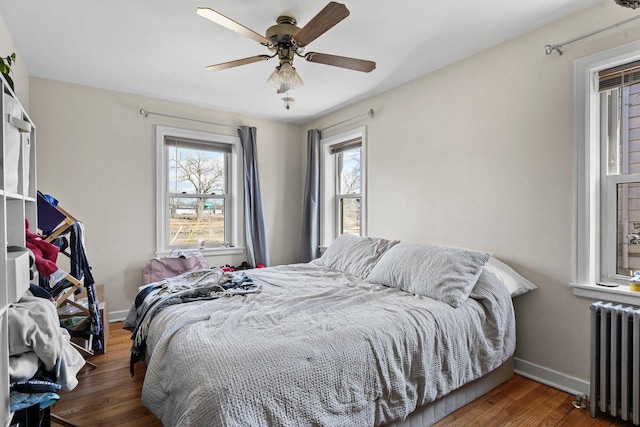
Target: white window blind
point(623, 75)
point(346, 145)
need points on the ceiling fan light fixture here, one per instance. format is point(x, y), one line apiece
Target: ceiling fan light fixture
point(633, 4)
point(287, 73)
point(274, 78)
point(285, 78)
point(295, 81)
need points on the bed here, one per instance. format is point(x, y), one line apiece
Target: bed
point(352, 338)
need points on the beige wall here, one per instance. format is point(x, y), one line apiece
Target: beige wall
point(19, 73)
point(480, 155)
point(96, 154)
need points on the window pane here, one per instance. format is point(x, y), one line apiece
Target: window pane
point(195, 218)
point(621, 129)
point(628, 212)
point(193, 171)
point(349, 173)
point(350, 216)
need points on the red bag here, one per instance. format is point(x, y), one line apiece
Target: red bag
point(176, 263)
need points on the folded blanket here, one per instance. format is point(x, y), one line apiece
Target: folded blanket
point(187, 287)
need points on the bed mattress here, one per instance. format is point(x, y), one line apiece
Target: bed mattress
point(320, 347)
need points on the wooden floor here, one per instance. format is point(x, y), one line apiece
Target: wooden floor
point(109, 396)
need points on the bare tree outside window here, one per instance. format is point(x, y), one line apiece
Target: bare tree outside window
point(350, 177)
point(204, 171)
point(197, 196)
point(350, 180)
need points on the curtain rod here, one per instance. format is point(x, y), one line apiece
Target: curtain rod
point(369, 113)
point(146, 114)
point(557, 47)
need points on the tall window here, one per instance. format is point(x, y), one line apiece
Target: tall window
point(348, 186)
point(343, 186)
point(197, 189)
point(619, 89)
point(607, 167)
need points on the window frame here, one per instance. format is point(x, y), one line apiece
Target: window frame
point(329, 198)
point(614, 113)
point(234, 210)
point(593, 231)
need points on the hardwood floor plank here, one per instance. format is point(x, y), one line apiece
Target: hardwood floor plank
point(109, 396)
point(561, 411)
point(481, 411)
point(534, 407)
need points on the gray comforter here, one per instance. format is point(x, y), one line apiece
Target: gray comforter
point(319, 347)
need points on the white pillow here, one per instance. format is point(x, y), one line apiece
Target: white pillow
point(515, 283)
point(443, 273)
point(354, 255)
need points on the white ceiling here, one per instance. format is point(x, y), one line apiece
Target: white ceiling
point(160, 48)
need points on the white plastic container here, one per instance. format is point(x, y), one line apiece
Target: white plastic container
point(17, 274)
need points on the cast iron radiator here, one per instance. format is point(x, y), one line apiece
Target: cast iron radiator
point(615, 361)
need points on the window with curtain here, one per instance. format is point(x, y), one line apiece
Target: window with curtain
point(197, 190)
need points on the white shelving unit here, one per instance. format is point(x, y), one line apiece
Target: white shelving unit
point(17, 203)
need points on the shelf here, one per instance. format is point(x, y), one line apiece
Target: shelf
point(13, 196)
point(17, 204)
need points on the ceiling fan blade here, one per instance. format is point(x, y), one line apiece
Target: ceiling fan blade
point(341, 61)
point(229, 23)
point(238, 62)
point(321, 23)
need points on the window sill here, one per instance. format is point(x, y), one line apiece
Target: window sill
point(209, 251)
point(221, 251)
point(621, 294)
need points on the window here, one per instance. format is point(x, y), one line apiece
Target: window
point(342, 186)
point(197, 191)
point(348, 186)
point(607, 88)
point(619, 105)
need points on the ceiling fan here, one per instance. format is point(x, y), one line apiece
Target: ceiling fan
point(286, 40)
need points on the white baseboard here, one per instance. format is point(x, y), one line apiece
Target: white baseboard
point(118, 316)
point(551, 378)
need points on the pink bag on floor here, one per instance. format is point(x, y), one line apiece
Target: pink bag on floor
point(176, 263)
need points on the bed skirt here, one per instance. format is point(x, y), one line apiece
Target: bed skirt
point(431, 413)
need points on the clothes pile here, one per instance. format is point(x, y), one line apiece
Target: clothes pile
point(41, 358)
point(244, 266)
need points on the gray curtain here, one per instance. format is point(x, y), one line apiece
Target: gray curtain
point(255, 233)
point(310, 242)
